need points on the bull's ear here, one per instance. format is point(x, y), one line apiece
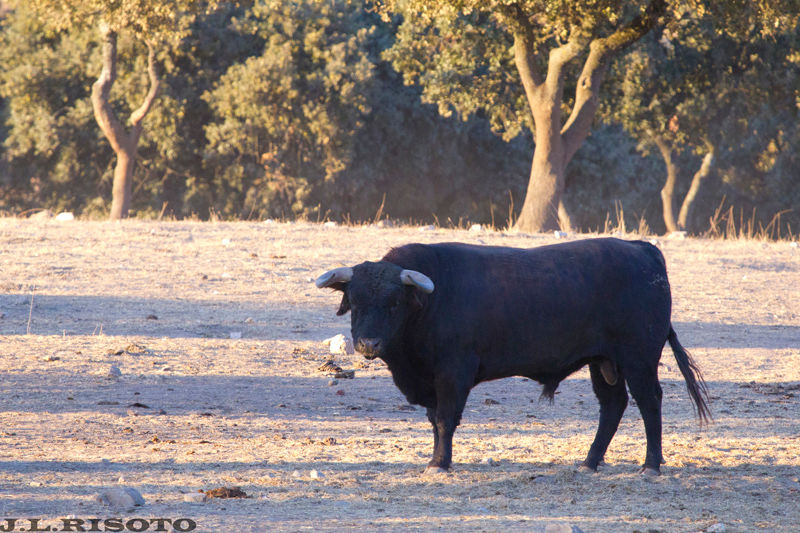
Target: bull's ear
point(344, 306)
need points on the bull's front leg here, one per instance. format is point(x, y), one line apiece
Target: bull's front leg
point(451, 396)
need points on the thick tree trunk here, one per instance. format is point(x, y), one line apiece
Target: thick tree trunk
point(668, 190)
point(697, 180)
point(123, 142)
point(557, 144)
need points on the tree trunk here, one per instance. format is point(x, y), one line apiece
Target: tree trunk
point(697, 180)
point(668, 191)
point(123, 142)
point(557, 144)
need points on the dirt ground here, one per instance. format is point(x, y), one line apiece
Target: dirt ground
point(216, 331)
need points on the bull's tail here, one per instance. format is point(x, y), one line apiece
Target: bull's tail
point(698, 391)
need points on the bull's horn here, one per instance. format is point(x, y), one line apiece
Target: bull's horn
point(337, 275)
point(417, 279)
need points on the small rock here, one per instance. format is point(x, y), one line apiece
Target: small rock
point(296, 474)
point(249, 320)
point(340, 392)
point(680, 235)
point(151, 317)
point(65, 216)
point(489, 401)
point(559, 234)
point(268, 222)
point(719, 527)
point(195, 497)
point(476, 228)
point(114, 372)
point(654, 242)
point(562, 528)
point(329, 224)
point(51, 357)
point(385, 223)
point(340, 345)
point(429, 227)
point(126, 497)
point(236, 334)
point(226, 241)
point(316, 475)
point(491, 462)
point(333, 383)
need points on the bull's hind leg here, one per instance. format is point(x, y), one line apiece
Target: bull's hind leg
point(613, 401)
point(645, 389)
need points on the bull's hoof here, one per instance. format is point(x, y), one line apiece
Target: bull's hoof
point(649, 471)
point(583, 469)
point(434, 471)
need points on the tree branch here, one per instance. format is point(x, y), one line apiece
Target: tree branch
point(104, 114)
point(138, 115)
point(601, 50)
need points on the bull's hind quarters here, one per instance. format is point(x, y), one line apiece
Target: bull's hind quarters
point(445, 317)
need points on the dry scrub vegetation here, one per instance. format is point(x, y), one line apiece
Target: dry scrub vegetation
point(216, 330)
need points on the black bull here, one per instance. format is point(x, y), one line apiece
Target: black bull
point(445, 317)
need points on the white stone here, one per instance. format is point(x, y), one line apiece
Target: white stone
point(476, 228)
point(65, 216)
point(114, 372)
point(316, 475)
point(559, 234)
point(226, 241)
point(329, 224)
point(126, 497)
point(719, 527)
point(677, 235)
point(340, 345)
point(194, 497)
point(429, 227)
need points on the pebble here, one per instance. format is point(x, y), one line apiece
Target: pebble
point(329, 224)
point(476, 228)
point(491, 462)
point(195, 497)
point(340, 345)
point(316, 475)
point(226, 241)
point(120, 497)
point(249, 320)
point(429, 227)
point(719, 527)
point(114, 372)
point(65, 216)
point(49, 358)
point(333, 383)
point(559, 234)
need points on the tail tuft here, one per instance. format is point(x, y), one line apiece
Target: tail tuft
point(698, 391)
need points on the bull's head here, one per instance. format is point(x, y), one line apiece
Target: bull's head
point(380, 297)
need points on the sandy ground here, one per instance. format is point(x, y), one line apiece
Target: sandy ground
point(196, 407)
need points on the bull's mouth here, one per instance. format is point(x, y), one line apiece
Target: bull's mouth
point(370, 356)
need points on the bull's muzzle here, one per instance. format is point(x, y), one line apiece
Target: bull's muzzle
point(369, 348)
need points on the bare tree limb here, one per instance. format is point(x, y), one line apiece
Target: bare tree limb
point(601, 50)
point(106, 118)
point(138, 115)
